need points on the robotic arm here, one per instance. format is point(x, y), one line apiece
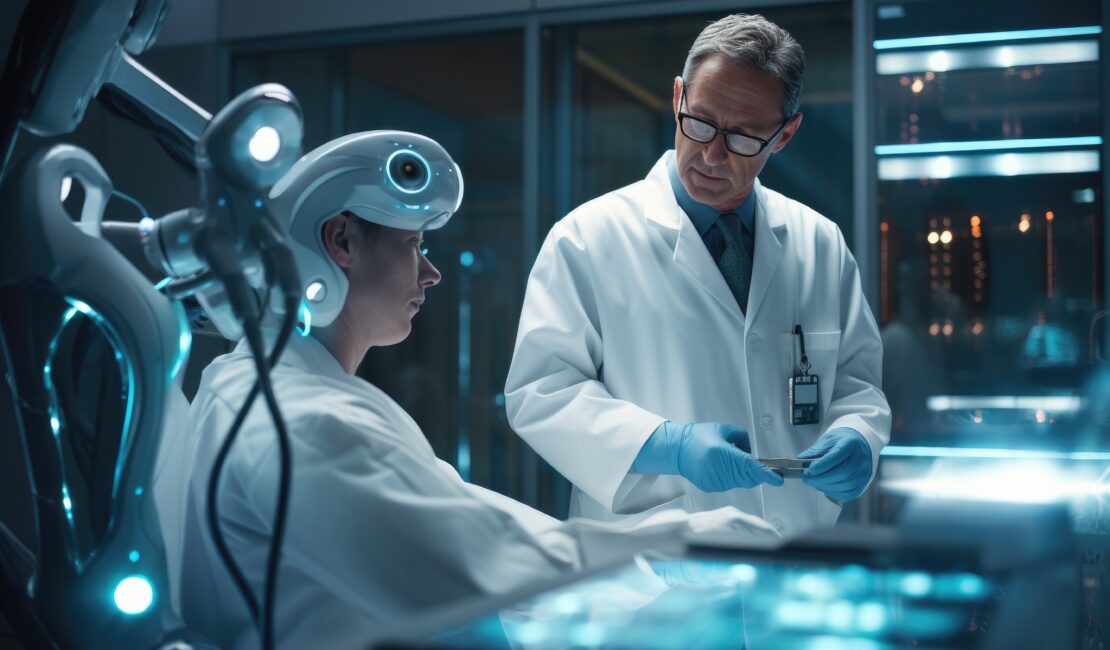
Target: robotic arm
point(228, 249)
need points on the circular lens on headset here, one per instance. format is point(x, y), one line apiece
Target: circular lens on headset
point(408, 171)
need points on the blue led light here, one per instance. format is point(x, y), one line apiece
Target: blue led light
point(139, 491)
point(466, 258)
point(134, 595)
point(221, 201)
point(306, 319)
point(422, 159)
point(133, 556)
point(162, 283)
point(745, 573)
point(970, 585)
point(870, 617)
point(917, 584)
point(986, 145)
point(258, 203)
point(81, 306)
point(985, 37)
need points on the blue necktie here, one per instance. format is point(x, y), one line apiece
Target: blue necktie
point(735, 262)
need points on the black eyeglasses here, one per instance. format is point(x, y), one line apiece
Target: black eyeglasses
point(738, 143)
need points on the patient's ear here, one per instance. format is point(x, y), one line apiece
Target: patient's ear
point(336, 234)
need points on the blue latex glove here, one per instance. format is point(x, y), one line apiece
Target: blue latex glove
point(715, 457)
point(843, 468)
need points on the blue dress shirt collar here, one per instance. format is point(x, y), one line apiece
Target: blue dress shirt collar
point(704, 216)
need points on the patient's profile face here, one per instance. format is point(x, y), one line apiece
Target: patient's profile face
point(388, 275)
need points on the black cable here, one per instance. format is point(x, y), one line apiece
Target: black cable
point(221, 259)
point(254, 341)
point(235, 283)
point(279, 260)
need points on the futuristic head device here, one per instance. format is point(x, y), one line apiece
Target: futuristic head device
point(392, 178)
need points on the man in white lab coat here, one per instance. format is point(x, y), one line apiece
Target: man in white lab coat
point(661, 322)
point(378, 527)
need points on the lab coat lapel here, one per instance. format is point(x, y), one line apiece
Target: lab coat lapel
point(770, 232)
point(689, 252)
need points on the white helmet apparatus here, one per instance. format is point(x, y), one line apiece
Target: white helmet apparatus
point(392, 178)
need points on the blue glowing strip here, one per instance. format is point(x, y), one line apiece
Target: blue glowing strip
point(984, 37)
point(986, 145)
point(464, 384)
point(184, 340)
point(127, 370)
point(1055, 403)
point(955, 452)
point(55, 414)
point(162, 283)
point(1079, 161)
point(306, 318)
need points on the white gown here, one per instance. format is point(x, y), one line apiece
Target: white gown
point(627, 322)
point(378, 527)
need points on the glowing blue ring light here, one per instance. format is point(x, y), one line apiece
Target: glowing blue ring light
point(423, 161)
point(134, 595)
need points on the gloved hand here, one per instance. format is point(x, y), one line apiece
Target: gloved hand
point(843, 468)
point(715, 457)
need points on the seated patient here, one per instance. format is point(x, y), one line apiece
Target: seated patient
point(378, 527)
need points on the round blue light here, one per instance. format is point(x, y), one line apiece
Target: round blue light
point(258, 203)
point(422, 159)
point(134, 595)
point(133, 556)
point(466, 259)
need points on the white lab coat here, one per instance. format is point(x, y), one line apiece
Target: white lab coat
point(627, 322)
point(378, 527)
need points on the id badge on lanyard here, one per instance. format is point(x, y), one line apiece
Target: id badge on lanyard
point(802, 390)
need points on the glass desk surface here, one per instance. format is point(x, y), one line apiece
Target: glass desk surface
point(752, 602)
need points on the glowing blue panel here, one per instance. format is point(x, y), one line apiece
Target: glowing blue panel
point(986, 145)
point(134, 595)
point(1002, 481)
point(999, 56)
point(1048, 403)
point(1007, 164)
point(985, 37)
point(857, 608)
point(897, 451)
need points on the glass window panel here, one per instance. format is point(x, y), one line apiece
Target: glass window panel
point(1031, 101)
point(466, 92)
point(991, 262)
point(609, 90)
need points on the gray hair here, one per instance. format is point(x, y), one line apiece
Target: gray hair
point(754, 41)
